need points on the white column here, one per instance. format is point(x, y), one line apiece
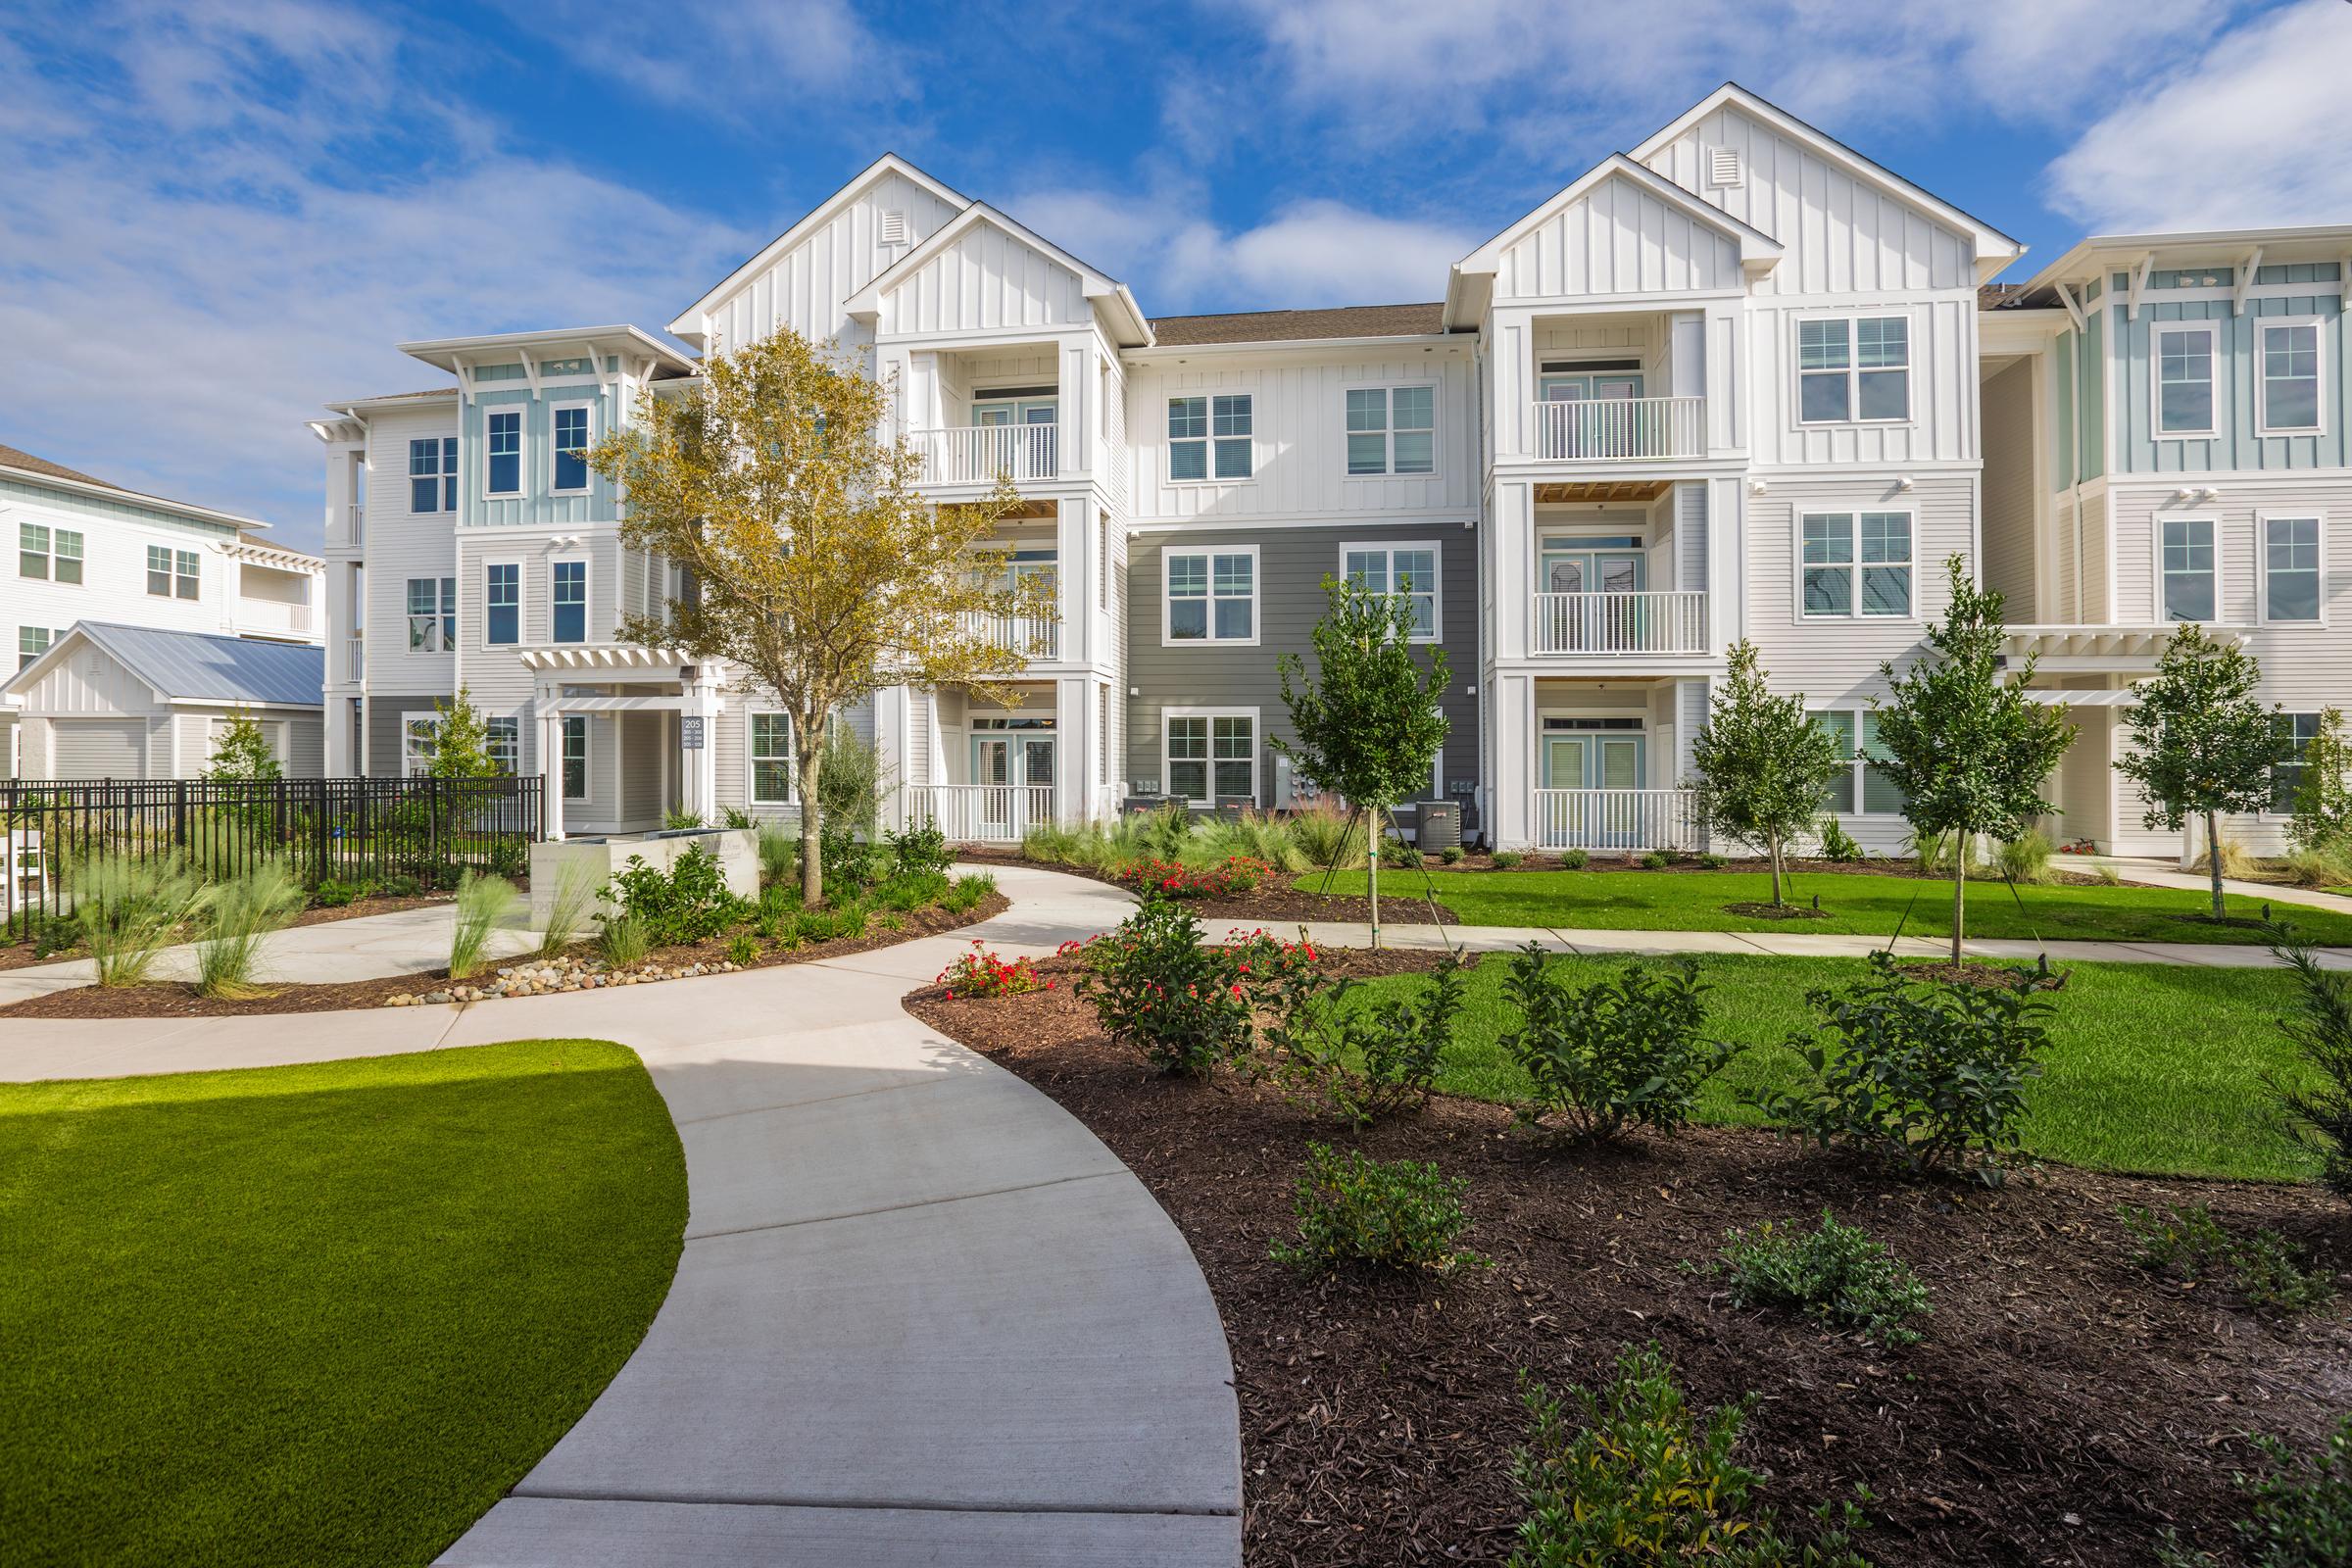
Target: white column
point(702, 763)
point(1073, 748)
point(1512, 710)
point(551, 765)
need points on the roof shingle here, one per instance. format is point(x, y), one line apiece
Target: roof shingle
point(15, 458)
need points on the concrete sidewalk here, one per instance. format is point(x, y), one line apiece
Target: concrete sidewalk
point(921, 1315)
point(2163, 874)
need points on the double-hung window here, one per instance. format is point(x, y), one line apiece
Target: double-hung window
point(1856, 563)
point(1861, 785)
point(1210, 436)
point(2190, 574)
point(433, 475)
point(1391, 429)
point(31, 643)
point(1852, 369)
point(502, 738)
point(1407, 571)
point(568, 605)
point(1212, 757)
point(575, 756)
point(572, 448)
point(1211, 596)
point(2294, 733)
point(2290, 568)
point(420, 740)
point(432, 615)
point(172, 573)
point(502, 434)
point(2184, 380)
point(51, 554)
point(771, 759)
point(2290, 378)
point(502, 603)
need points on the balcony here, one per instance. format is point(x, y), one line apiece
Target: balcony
point(982, 454)
point(981, 814)
point(355, 659)
point(1620, 821)
point(1613, 623)
point(1028, 635)
point(1619, 429)
point(272, 618)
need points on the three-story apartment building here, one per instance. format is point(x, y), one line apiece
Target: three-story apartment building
point(1737, 381)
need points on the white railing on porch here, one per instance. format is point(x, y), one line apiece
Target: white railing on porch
point(979, 454)
point(1616, 429)
point(981, 814)
point(1023, 634)
point(1615, 819)
point(1667, 622)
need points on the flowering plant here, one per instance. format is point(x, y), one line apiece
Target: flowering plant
point(981, 973)
point(1236, 873)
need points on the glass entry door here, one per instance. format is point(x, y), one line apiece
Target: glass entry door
point(1004, 764)
point(1595, 567)
point(1028, 454)
point(1593, 762)
point(1583, 387)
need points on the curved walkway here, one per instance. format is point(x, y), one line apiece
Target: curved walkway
point(921, 1315)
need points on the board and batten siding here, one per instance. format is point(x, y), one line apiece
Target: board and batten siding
point(2237, 444)
point(1942, 426)
point(804, 286)
point(986, 279)
point(538, 505)
point(1618, 238)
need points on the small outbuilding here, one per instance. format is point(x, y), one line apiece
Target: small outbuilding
point(112, 700)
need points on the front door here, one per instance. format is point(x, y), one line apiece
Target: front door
point(1593, 625)
point(1594, 763)
point(992, 770)
point(1594, 433)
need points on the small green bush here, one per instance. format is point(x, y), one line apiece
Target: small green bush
point(336, 895)
point(1504, 860)
point(624, 941)
point(1574, 860)
point(483, 901)
point(680, 821)
point(845, 861)
point(921, 850)
point(1451, 855)
point(55, 936)
point(1712, 862)
point(685, 904)
point(742, 950)
point(2299, 1510)
point(2320, 1029)
point(1155, 987)
point(908, 891)
point(1837, 844)
point(964, 894)
point(1361, 1062)
point(779, 854)
point(1654, 861)
point(1398, 854)
point(1329, 837)
point(401, 885)
point(510, 857)
point(2026, 857)
point(1836, 1273)
point(1397, 1213)
point(127, 910)
point(734, 818)
point(2191, 1244)
point(1616, 1055)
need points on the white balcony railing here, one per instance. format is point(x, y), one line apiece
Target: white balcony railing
point(1023, 634)
point(981, 454)
point(354, 658)
point(1619, 429)
point(1615, 819)
point(1673, 622)
point(273, 618)
point(355, 526)
point(981, 814)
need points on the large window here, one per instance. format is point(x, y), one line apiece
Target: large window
point(568, 605)
point(2191, 578)
point(432, 615)
point(2290, 568)
point(503, 739)
point(1411, 571)
point(2290, 377)
point(1209, 437)
point(2294, 733)
point(575, 756)
point(2184, 380)
point(502, 476)
point(419, 739)
point(1212, 756)
point(1853, 368)
point(1862, 785)
point(1856, 563)
point(771, 759)
point(501, 601)
point(572, 447)
point(52, 554)
point(1211, 595)
point(172, 573)
point(1391, 429)
point(433, 475)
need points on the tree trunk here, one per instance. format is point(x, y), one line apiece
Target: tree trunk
point(811, 761)
point(1772, 846)
point(1959, 890)
point(2213, 858)
point(1376, 839)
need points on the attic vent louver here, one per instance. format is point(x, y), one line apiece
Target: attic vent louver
point(1724, 168)
point(894, 228)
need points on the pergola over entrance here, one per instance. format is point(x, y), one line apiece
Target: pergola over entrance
point(623, 678)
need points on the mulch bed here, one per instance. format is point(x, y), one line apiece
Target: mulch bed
point(177, 999)
point(2063, 1408)
point(20, 954)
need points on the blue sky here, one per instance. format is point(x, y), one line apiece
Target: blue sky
point(216, 215)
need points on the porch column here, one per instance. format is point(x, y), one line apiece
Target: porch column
point(701, 771)
point(1073, 748)
point(551, 765)
point(1514, 779)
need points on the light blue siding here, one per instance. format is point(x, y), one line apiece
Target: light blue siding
point(535, 506)
point(2235, 445)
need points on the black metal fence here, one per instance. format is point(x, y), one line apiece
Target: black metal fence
point(389, 832)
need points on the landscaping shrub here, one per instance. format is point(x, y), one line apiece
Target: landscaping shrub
point(742, 950)
point(1629, 1477)
point(1450, 854)
point(510, 857)
point(1618, 1053)
point(1711, 861)
point(680, 821)
point(1250, 836)
point(964, 894)
point(334, 894)
point(2026, 857)
point(1329, 836)
point(1234, 874)
point(56, 936)
point(684, 904)
point(1398, 854)
point(2301, 1514)
point(1923, 1075)
point(1837, 844)
point(238, 914)
point(569, 908)
point(127, 910)
point(1156, 988)
point(845, 861)
point(401, 885)
point(2323, 866)
point(908, 891)
point(2190, 1245)
point(623, 940)
point(849, 785)
point(1654, 861)
point(2321, 1028)
point(483, 901)
point(1836, 1273)
point(1505, 859)
point(1363, 1062)
point(978, 972)
point(1397, 1213)
point(2237, 859)
point(1570, 860)
point(779, 854)
point(920, 848)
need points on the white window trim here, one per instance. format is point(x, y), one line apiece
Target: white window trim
point(1437, 585)
point(2213, 361)
point(553, 409)
point(1860, 711)
point(751, 770)
point(441, 477)
point(2266, 813)
point(1168, 441)
point(587, 599)
point(408, 717)
point(490, 719)
point(1436, 461)
point(523, 451)
point(1853, 518)
point(1258, 738)
point(2220, 572)
point(521, 579)
point(1854, 321)
point(1644, 729)
point(2261, 381)
point(2262, 566)
point(587, 725)
point(1257, 597)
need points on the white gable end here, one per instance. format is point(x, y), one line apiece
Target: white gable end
point(987, 280)
point(1617, 238)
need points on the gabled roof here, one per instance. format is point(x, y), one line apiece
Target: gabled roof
point(688, 323)
point(199, 667)
point(1991, 245)
point(1094, 283)
point(1300, 326)
point(26, 464)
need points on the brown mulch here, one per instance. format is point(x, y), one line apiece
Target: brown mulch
point(2064, 1407)
point(19, 954)
point(177, 999)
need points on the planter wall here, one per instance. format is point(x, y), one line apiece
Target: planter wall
point(737, 848)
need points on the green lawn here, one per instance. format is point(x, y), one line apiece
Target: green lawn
point(1860, 902)
point(321, 1313)
point(2152, 1068)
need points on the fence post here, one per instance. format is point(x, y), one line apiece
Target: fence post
point(179, 814)
point(318, 830)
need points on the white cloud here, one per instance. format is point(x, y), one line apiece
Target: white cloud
point(2241, 136)
point(723, 57)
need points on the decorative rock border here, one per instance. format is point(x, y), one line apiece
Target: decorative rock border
point(545, 977)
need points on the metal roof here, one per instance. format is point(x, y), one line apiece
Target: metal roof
point(206, 667)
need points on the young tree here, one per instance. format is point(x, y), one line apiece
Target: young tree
point(814, 563)
point(1368, 726)
point(1764, 766)
point(1969, 750)
point(2201, 745)
point(2323, 794)
point(243, 753)
point(460, 740)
